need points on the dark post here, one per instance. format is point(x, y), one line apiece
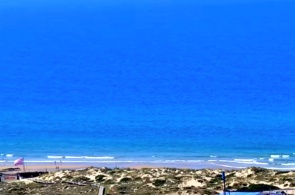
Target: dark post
point(223, 179)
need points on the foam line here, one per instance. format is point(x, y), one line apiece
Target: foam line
point(74, 157)
point(244, 160)
point(99, 157)
point(285, 156)
point(288, 164)
point(55, 156)
point(228, 166)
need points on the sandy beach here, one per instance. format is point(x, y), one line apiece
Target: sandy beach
point(60, 165)
point(237, 164)
point(46, 167)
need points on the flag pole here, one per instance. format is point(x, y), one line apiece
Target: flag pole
point(223, 179)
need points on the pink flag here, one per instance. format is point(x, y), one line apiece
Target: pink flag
point(19, 161)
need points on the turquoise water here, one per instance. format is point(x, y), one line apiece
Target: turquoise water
point(167, 82)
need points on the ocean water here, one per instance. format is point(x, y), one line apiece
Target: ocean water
point(178, 83)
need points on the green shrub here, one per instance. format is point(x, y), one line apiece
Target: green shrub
point(125, 180)
point(257, 188)
point(81, 179)
point(100, 178)
point(159, 182)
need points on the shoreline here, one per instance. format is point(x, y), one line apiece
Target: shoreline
point(275, 162)
point(214, 165)
point(55, 165)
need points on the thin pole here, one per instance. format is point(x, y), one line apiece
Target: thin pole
point(223, 179)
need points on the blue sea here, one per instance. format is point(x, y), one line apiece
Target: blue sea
point(176, 83)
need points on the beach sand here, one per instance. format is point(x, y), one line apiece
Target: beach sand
point(46, 167)
point(55, 166)
point(58, 165)
point(64, 165)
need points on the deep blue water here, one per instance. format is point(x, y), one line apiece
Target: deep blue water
point(149, 80)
